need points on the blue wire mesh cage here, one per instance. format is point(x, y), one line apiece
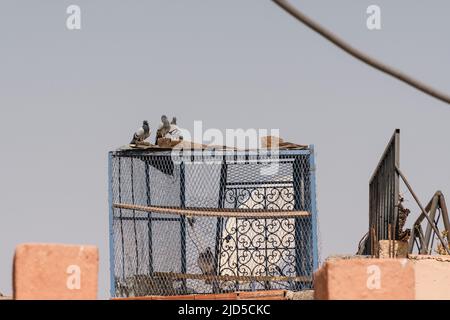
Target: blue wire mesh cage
point(211, 223)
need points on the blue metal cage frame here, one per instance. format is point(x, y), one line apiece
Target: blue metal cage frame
point(299, 163)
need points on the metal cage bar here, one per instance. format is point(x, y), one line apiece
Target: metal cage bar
point(313, 201)
point(112, 282)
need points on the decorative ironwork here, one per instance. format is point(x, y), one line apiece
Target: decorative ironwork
point(261, 197)
point(259, 247)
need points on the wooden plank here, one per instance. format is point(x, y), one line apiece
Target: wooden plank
point(208, 212)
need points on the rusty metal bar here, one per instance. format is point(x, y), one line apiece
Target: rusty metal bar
point(431, 223)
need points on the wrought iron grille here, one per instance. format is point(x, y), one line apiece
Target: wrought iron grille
point(212, 223)
point(384, 196)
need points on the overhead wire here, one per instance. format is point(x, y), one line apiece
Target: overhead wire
point(356, 53)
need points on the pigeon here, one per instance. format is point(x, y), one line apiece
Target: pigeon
point(141, 134)
point(174, 132)
point(163, 129)
point(205, 262)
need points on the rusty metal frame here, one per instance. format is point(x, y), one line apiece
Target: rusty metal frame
point(383, 196)
point(424, 242)
point(384, 201)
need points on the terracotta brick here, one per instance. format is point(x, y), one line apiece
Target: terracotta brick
point(365, 279)
point(205, 297)
point(262, 295)
point(55, 271)
point(432, 274)
point(135, 298)
point(321, 291)
point(273, 297)
point(228, 296)
point(179, 297)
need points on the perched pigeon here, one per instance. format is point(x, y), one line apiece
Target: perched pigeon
point(205, 262)
point(163, 129)
point(141, 134)
point(174, 132)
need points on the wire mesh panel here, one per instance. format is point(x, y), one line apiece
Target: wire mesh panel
point(211, 223)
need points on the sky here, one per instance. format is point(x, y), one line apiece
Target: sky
point(67, 97)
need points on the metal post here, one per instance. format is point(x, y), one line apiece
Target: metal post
point(121, 216)
point(312, 172)
point(396, 178)
point(432, 210)
point(149, 217)
point(219, 224)
point(446, 221)
point(183, 222)
point(301, 240)
point(136, 247)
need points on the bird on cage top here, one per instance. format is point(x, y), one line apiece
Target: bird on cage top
point(141, 134)
point(205, 262)
point(174, 132)
point(163, 129)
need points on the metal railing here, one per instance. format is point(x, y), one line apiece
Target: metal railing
point(387, 216)
point(384, 196)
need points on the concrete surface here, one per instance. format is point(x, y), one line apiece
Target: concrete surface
point(432, 277)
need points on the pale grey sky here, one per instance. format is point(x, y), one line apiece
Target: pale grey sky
point(67, 97)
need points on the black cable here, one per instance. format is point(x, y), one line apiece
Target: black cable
point(360, 55)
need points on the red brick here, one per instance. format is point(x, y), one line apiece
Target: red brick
point(205, 297)
point(365, 279)
point(227, 296)
point(179, 297)
point(262, 295)
point(55, 271)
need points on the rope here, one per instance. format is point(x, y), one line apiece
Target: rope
point(210, 212)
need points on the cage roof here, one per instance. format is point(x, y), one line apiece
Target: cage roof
point(266, 143)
